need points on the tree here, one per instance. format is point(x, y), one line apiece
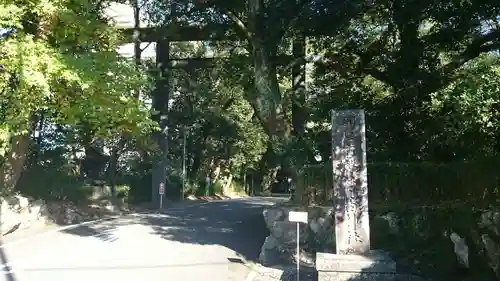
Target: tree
point(393, 59)
point(416, 48)
point(264, 25)
point(61, 64)
point(224, 135)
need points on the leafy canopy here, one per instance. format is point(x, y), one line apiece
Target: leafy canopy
point(59, 58)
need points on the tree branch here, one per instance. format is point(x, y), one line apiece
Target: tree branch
point(367, 56)
point(379, 75)
point(142, 49)
point(481, 44)
point(242, 26)
point(239, 23)
point(294, 12)
point(436, 38)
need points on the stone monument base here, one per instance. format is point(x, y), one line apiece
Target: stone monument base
point(374, 266)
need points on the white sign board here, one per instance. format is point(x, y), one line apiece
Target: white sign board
point(297, 216)
point(162, 189)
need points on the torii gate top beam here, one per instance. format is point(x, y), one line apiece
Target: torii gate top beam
point(174, 33)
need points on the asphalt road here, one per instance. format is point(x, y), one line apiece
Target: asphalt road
point(206, 241)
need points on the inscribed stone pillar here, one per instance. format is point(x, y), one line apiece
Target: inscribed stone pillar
point(354, 261)
point(352, 229)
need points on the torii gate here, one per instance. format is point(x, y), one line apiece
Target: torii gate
point(172, 33)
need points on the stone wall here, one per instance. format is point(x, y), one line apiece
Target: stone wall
point(448, 242)
point(280, 246)
point(443, 242)
point(18, 212)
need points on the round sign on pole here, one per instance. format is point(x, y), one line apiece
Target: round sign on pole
point(162, 189)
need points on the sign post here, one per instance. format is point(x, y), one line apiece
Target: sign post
point(161, 191)
point(298, 217)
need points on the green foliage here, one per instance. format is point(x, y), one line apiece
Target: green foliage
point(426, 73)
point(216, 188)
point(122, 191)
point(220, 126)
point(60, 71)
point(414, 67)
point(422, 72)
point(68, 69)
point(469, 108)
point(54, 180)
point(237, 188)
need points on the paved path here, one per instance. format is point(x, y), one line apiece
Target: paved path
point(208, 241)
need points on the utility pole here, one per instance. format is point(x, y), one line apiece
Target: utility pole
point(184, 162)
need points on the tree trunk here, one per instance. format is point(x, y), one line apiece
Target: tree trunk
point(113, 164)
point(115, 153)
point(267, 101)
point(199, 147)
point(408, 103)
point(268, 169)
point(38, 126)
point(13, 163)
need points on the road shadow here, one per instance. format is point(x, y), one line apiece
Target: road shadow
point(101, 232)
point(237, 225)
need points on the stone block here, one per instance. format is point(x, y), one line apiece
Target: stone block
point(271, 215)
point(373, 266)
point(350, 182)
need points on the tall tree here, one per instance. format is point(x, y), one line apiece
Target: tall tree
point(264, 25)
point(60, 58)
point(416, 48)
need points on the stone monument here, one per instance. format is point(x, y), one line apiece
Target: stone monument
point(354, 260)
